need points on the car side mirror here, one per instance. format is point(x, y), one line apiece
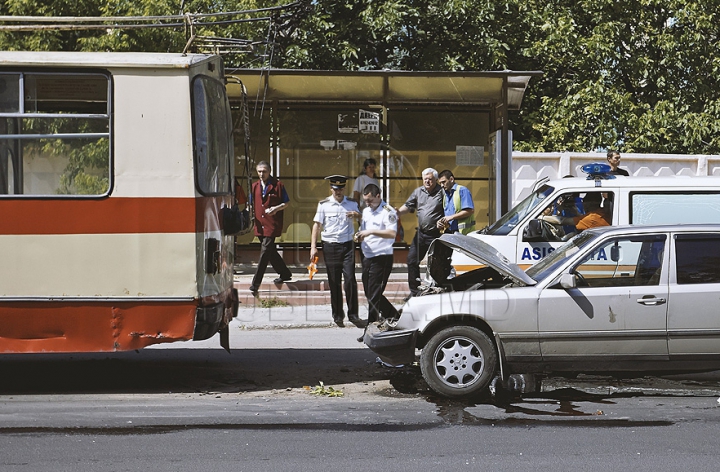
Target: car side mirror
point(568, 281)
point(615, 253)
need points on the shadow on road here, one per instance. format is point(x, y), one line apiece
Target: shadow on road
point(186, 370)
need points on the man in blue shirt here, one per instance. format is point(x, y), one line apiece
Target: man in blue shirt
point(458, 205)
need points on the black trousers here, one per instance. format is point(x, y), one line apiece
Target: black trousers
point(340, 264)
point(375, 275)
point(416, 253)
point(269, 253)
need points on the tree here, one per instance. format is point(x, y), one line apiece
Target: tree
point(635, 76)
point(167, 32)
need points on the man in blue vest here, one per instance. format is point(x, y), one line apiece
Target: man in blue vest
point(458, 205)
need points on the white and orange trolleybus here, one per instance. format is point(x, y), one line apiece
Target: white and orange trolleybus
point(116, 170)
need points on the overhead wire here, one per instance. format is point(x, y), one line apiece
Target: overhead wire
point(74, 23)
point(81, 19)
point(190, 21)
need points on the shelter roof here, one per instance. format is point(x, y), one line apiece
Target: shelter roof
point(384, 86)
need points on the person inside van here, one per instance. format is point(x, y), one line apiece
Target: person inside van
point(595, 215)
point(569, 205)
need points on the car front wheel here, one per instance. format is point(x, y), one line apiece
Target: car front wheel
point(459, 361)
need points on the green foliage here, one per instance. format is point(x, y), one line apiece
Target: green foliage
point(88, 167)
point(403, 35)
point(637, 76)
point(272, 302)
point(160, 39)
point(78, 177)
point(322, 390)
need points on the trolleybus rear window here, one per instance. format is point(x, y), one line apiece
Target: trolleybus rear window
point(212, 127)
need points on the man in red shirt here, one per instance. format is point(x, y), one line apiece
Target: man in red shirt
point(269, 199)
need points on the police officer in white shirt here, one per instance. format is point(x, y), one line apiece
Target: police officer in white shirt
point(334, 217)
point(377, 233)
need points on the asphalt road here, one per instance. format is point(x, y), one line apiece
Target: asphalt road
point(193, 406)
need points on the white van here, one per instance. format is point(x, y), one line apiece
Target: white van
point(627, 200)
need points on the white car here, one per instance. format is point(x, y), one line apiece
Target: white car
point(612, 300)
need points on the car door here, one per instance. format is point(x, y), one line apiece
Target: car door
point(694, 308)
point(617, 312)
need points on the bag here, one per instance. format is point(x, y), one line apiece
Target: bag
point(234, 220)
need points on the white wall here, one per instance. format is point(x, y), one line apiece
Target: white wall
point(528, 167)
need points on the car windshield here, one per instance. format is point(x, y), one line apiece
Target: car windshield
point(511, 219)
point(552, 261)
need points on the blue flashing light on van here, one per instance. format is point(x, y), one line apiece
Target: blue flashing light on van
point(597, 171)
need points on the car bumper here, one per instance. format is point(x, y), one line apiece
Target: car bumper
point(393, 347)
point(212, 318)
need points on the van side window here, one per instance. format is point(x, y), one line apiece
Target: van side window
point(697, 258)
point(54, 133)
point(651, 208)
point(569, 214)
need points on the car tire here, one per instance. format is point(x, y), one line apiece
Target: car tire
point(459, 361)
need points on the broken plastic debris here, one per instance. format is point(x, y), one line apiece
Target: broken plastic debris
point(385, 364)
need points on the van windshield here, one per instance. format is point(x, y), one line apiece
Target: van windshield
point(511, 219)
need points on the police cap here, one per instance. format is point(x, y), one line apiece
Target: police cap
point(337, 181)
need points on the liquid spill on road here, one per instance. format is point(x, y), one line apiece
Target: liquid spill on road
point(568, 407)
point(508, 408)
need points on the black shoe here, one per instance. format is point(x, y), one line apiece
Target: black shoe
point(280, 280)
point(362, 338)
point(340, 323)
point(360, 323)
point(253, 289)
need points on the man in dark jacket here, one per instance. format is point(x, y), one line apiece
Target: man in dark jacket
point(269, 199)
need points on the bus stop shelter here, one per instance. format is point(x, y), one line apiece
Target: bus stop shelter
point(310, 124)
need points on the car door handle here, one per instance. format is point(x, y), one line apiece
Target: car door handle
point(651, 300)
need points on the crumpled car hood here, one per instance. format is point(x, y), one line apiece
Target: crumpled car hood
point(441, 250)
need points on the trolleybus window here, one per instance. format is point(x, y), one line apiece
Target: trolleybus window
point(54, 134)
point(213, 136)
